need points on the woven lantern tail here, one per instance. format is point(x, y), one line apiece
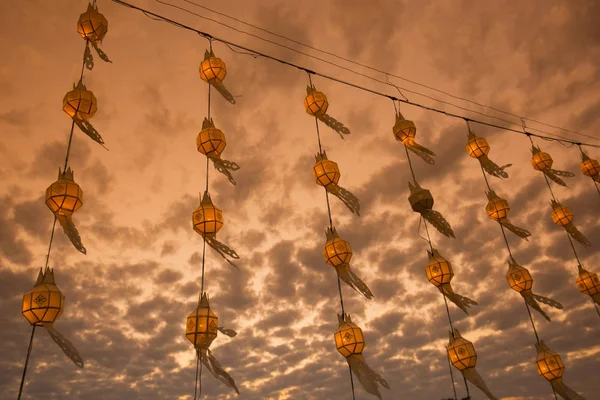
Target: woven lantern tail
point(224, 92)
point(211, 363)
point(554, 175)
point(564, 391)
point(369, 379)
point(347, 275)
point(89, 130)
point(596, 298)
point(225, 167)
point(349, 199)
point(421, 151)
point(473, 376)
point(575, 234)
point(71, 232)
point(460, 301)
point(228, 332)
point(531, 302)
point(520, 232)
point(334, 124)
point(100, 52)
point(548, 301)
point(222, 249)
point(439, 222)
point(65, 345)
point(492, 168)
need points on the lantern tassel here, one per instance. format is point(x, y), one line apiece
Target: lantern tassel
point(222, 249)
point(596, 298)
point(350, 200)
point(88, 60)
point(334, 124)
point(436, 219)
point(347, 275)
point(228, 332)
point(460, 301)
point(225, 167)
point(532, 301)
point(211, 363)
point(520, 232)
point(66, 346)
point(575, 234)
point(100, 52)
point(421, 151)
point(369, 379)
point(224, 92)
point(473, 376)
point(564, 391)
point(554, 175)
point(71, 232)
point(492, 168)
point(548, 301)
point(89, 130)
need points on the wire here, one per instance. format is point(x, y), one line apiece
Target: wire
point(26, 362)
point(560, 139)
point(387, 74)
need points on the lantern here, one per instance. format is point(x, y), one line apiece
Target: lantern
point(327, 174)
point(210, 141)
point(590, 167)
point(213, 71)
point(497, 209)
point(588, 283)
point(551, 367)
point(92, 25)
point(315, 102)
point(405, 131)
point(80, 103)
point(421, 202)
point(201, 327)
point(478, 147)
point(542, 161)
point(207, 219)
point(563, 216)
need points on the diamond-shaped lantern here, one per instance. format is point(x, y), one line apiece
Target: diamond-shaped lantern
point(315, 102)
point(590, 167)
point(519, 278)
point(562, 215)
point(80, 103)
point(404, 130)
point(461, 352)
point(207, 219)
point(588, 282)
point(337, 251)
point(349, 339)
point(477, 146)
point(497, 208)
point(45, 302)
point(439, 270)
point(64, 196)
point(541, 160)
point(202, 324)
point(92, 25)
point(325, 172)
point(210, 141)
point(549, 364)
point(212, 69)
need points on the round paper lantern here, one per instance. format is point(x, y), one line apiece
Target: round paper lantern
point(337, 251)
point(315, 102)
point(588, 282)
point(519, 278)
point(349, 339)
point(207, 219)
point(201, 326)
point(64, 196)
point(477, 147)
point(92, 25)
point(461, 352)
point(589, 167)
point(326, 172)
point(497, 208)
point(562, 215)
point(80, 103)
point(45, 302)
point(541, 161)
point(212, 69)
point(439, 270)
point(210, 141)
point(549, 364)
point(404, 130)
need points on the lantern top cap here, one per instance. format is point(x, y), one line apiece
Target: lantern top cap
point(203, 300)
point(206, 199)
point(584, 157)
point(45, 277)
point(543, 347)
point(67, 175)
point(344, 318)
point(311, 89)
point(91, 7)
point(491, 195)
point(581, 270)
point(79, 85)
point(535, 149)
point(207, 123)
point(400, 117)
point(433, 253)
point(331, 233)
point(209, 54)
point(555, 204)
point(512, 262)
point(414, 187)
point(320, 156)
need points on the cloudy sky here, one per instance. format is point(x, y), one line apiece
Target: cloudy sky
point(128, 298)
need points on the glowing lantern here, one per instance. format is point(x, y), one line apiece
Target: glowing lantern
point(316, 104)
point(497, 209)
point(350, 342)
point(590, 167)
point(477, 146)
point(439, 273)
point(327, 174)
point(542, 161)
point(421, 202)
point(80, 103)
point(551, 367)
point(588, 283)
point(405, 131)
point(463, 357)
point(63, 198)
point(92, 25)
point(213, 71)
point(42, 306)
point(211, 142)
point(563, 216)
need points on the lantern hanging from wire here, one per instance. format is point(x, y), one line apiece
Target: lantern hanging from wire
point(80, 104)
point(439, 273)
point(563, 216)
point(421, 202)
point(207, 220)
point(213, 71)
point(211, 142)
point(405, 131)
point(201, 329)
point(463, 357)
point(478, 147)
point(42, 306)
point(337, 253)
point(551, 367)
point(350, 342)
point(316, 104)
point(589, 284)
point(92, 26)
point(327, 174)
point(63, 198)
point(497, 209)
point(542, 161)
point(520, 280)
point(590, 167)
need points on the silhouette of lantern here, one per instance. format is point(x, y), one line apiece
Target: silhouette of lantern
point(349, 339)
point(45, 302)
point(92, 25)
point(202, 324)
point(337, 251)
point(207, 219)
point(590, 167)
point(461, 352)
point(541, 160)
point(210, 141)
point(439, 270)
point(519, 278)
point(212, 69)
point(404, 129)
point(588, 283)
point(326, 172)
point(64, 196)
point(80, 103)
point(477, 147)
point(315, 102)
point(420, 199)
point(562, 215)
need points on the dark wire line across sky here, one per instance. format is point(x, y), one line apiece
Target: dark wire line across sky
point(154, 16)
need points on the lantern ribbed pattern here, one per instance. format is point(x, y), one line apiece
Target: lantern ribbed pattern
point(497, 208)
point(439, 270)
point(92, 25)
point(315, 103)
point(212, 69)
point(45, 302)
point(207, 219)
point(80, 103)
point(420, 199)
point(201, 326)
point(64, 196)
point(404, 130)
point(588, 282)
point(462, 353)
point(326, 172)
point(562, 215)
point(590, 167)
point(337, 251)
point(210, 141)
point(349, 339)
point(478, 147)
point(549, 364)
point(541, 161)
point(519, 278)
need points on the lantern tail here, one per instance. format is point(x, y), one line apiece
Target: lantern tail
point(222, 249)
point(211, 363)
point(548, 301)
point(225, 167)
point(421, 151)
point(101, 53)
point(71, 232)
point(575, 234)
point(224, 92)
point(551, 173)
point(460, 301)
point(596, 298)
point(89, 130)
point(347, 275)
point(473, 376)
point(564, 391)
point(439, 222)
point(228, 332)
point(88, 60)
point(334, 124)
point(531, 302)
point(350, 200)
point(520, 232)
point(66, 346)
point(492, 168)
point(369, 379)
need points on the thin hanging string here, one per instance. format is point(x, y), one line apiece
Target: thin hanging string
point(351, 382)
point(206, 190)
point(410, 164)
point(573, 247)
point(555, 396)
point(427, 239)
point(196, 382)
point(26, 362)
point(341, 297)
point(596, 306)
point(537, 338)
point(451, 376)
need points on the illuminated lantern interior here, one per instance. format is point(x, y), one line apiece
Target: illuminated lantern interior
point(210, 141)
point(337, 251)
point(64, 196)
point(439, 270)
point(201, 326)
point(212, 69)
point(326, 172)
point(92, 25)
point(45, 302)
point(349, 339)
point(315, 102)
point(207, 219)
point(80, 103)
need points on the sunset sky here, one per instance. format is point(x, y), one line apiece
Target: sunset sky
point(128, 298)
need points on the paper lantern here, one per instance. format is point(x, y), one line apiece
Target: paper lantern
point(405, 131)
point(210, 141)
point(439, 270)
point(207, 219)
point(590, 167)
point(64, 196)
point(80, 103)
point(562, 215)
point(497, 209)
point(549, 364)
point(541, 161)
point(519, 278)
point(212, 69)
point(349, 339)
point(588, 283)
point(421, 201)
point(461, 352)
point(325, 172)
point(315, 102)
point(45, 302)
point(201, 327)
point(477, 147)
point(92, 25)
point(337, 251)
